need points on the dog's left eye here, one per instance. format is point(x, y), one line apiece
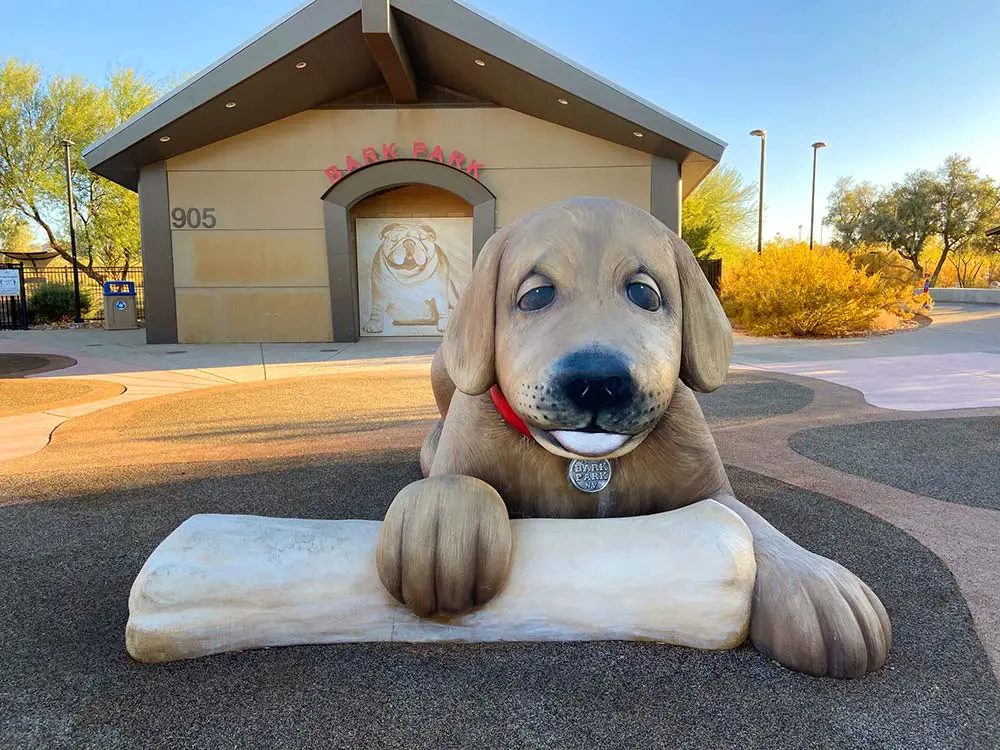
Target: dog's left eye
point(536, 298)
point(644, 296)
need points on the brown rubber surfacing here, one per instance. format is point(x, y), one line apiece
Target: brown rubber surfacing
point(81, 516)
point(19, 396)
point(348, 413)
point(69, 562)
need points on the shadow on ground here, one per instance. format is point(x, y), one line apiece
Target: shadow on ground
point(19, 365)
point(955, 460)
point(66, 681)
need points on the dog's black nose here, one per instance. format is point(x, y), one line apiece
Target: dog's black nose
point(596, 380)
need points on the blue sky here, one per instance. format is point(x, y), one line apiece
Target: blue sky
point(891, 86)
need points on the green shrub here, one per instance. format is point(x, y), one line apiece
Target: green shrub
point(54, 303)
point(795, 291)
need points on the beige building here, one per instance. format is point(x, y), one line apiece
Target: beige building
point(336, 176)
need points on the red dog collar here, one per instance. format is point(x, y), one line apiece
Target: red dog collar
point(507, 412)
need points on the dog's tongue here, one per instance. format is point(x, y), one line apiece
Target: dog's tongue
point(589, 443)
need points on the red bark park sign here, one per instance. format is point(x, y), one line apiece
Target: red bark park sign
point(390, 151)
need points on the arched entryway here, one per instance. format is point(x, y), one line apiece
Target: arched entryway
point(377, 179)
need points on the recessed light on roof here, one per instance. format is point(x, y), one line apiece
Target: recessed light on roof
point(562, 101)
point(301, 64)
point(164, 138)
point(480, 63)
point(637, 133)
point(230, 105)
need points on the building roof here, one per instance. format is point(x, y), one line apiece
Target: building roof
point(994, 232)
point(411, 47)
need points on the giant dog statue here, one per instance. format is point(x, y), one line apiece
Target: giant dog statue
point(565, 384)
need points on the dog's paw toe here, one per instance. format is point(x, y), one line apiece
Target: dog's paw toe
point(445, 545)
point(815, 616)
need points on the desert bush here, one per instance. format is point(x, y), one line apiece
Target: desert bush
point(898, 279)
point(886, 263)
point(790, 290)
point(52, 303)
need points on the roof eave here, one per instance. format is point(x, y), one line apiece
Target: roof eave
point(497, 39)
point(314, 18)
point(281, 38)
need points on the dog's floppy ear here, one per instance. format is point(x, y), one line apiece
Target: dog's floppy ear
point(707, 337)
point(468, 346)
point(428, 230)
point(386, 229)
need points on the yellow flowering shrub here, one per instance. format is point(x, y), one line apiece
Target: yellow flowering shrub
point(897, 276)
point(790, 290)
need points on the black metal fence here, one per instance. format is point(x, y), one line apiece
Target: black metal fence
point(13, 307)
point(713, 271)
point(33, 277)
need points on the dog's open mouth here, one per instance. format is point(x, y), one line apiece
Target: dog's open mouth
point(589, 443)
point(586, 443)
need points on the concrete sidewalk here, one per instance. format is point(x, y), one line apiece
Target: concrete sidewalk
point(954, 363)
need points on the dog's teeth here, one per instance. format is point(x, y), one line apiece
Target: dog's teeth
point(589, 443)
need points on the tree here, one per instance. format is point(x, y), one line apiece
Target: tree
point(906, 216)
point(969, 262)
point(35, 116)
point(850, 211)
point(953, 204)
point(719, 215)
point(968, 205)
point(15, 235)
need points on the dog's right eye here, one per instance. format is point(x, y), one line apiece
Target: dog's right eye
point(537, 298)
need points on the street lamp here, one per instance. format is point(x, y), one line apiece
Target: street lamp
point(72, 228)
point(812, 209)
point(760, 201)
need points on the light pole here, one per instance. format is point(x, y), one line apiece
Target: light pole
point(812, 208)
point(760, 201)
point(72, 228)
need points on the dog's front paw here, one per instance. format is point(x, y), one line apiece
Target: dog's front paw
point(442, 323)
point(445, 545)
point(815, 616)
point(374, 325)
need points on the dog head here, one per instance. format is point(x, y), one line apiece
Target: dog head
point(586, 313)
point(407, 249)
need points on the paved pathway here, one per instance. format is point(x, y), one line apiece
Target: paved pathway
point(952, 364)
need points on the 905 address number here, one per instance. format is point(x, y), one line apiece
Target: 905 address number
point(193, 218)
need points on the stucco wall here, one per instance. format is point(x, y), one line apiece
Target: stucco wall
point(261, 273)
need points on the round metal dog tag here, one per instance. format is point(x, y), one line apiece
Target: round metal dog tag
point(589, 476)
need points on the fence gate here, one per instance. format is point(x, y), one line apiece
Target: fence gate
point(13, 297)
point(713, 271)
